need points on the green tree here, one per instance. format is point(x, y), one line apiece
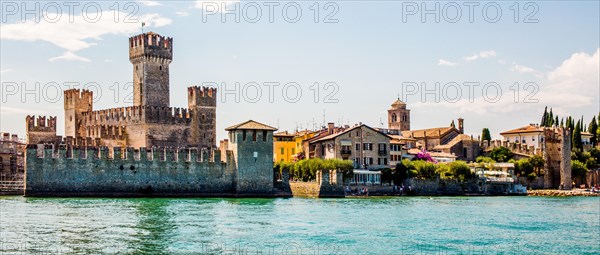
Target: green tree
point(501, 154)
point(485, 135)
point(484, 159)
point(537, 162)
point(401, 173)
point(555, 121)
point(577, 144)
point(578, 169)
point(593, 129)
point(523, 167)
point(544, 117)
point(550, 119)
point(424, 169)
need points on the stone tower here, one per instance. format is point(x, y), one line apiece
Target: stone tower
point(150, 55)
point(557, 157)
point(399, 116)
point(252, 146)
point(76, 103)
point(202, 103)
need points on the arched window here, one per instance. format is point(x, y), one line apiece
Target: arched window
point(394, 117)
point(404, 117)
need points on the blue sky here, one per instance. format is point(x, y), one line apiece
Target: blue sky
point(369, 53)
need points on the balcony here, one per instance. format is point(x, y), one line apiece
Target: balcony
point(382, 152)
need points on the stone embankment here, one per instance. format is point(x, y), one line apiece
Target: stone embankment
point(562, 193)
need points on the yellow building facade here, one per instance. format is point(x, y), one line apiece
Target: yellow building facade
point(286, 145)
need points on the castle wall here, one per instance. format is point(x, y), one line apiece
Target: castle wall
point(90, 172)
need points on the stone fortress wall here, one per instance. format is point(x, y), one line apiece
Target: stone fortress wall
point(97, 171)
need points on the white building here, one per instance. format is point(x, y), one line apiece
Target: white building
point(531, 135)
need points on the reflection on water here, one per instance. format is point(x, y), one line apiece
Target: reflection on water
point(448, 225)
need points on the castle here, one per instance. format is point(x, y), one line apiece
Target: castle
point(150, 148)
point(150, 122)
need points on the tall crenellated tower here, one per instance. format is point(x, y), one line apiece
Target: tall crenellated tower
point(399, 116)
point(76, 103)
point(202, 103)
point(150, 55)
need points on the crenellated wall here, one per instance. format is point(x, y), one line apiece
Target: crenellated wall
point(96, 171)
point(514, 147)
point(41, 130)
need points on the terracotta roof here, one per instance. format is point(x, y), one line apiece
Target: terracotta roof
point(525, 129)
point(454, 141)
point(398, 103)
point(283, 133)
point(430, 132)
point(398, 139)
point(586, 134)
point(253, 125)
point(331, 136)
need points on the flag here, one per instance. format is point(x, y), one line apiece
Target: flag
point(143, 24)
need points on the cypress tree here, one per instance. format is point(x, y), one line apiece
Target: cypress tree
point(562, 122)
point(550, 119)
point(543, 123)
point(577, 137)
point(555, 121)
point(593, 129)
point(485, 135)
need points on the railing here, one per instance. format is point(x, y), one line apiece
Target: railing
point(382, 152)
point(10, 186)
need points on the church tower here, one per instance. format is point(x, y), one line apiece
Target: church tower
point(399, 116)
point(150, 55)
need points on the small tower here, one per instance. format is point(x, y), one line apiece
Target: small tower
point(252, 146)
point(202, 102)
point(150, 55)
point(461, 127)
point(76, 103)
point(399, 116)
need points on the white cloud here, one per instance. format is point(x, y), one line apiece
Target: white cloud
point(79, 34)
point(482, 54)
point(69, 56)
point(3, 71)
point(149, 3)
point(182, 13)
point(216, 6)
point(525, 70)
point(443, 62)
point(574, 84)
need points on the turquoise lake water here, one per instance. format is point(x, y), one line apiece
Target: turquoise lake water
point(395, 225)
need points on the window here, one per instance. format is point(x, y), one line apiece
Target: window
point(282, 151)
point(394, 118)
point(293, 151)
point(265, 136)
point(404, 117)
point(243, 135)
point(368, 146)
point(322, 150)
point(358, 146)
point(254, 135)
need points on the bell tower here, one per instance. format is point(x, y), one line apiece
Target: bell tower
point(150, 55)
point(399, 116)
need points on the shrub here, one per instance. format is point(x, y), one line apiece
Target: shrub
point(483, 159)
